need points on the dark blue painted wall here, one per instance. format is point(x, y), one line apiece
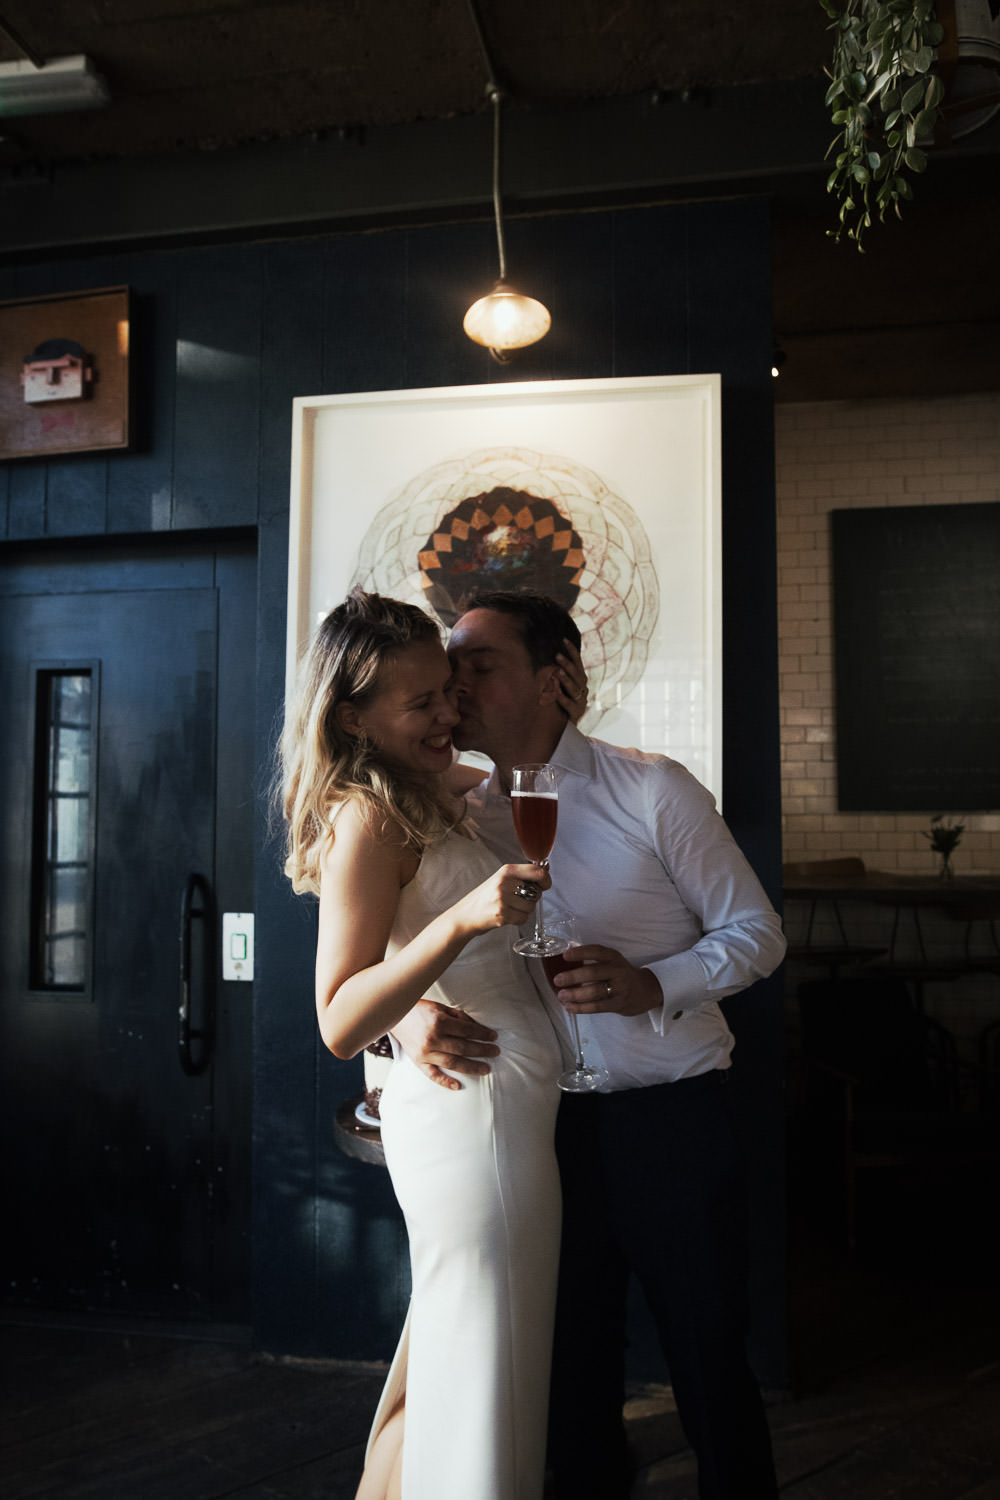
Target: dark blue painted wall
point(224, 338)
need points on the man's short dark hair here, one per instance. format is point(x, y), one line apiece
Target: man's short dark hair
point(543, 624)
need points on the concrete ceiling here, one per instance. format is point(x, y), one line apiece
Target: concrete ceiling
point(208, 73)
point(737, 87)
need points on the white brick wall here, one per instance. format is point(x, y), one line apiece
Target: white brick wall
point(832, 455)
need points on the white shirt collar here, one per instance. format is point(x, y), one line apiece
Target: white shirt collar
point(573, 753)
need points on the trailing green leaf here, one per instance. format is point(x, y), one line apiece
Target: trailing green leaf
point(885, 102)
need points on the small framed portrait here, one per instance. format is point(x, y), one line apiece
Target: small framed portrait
point(64, 373)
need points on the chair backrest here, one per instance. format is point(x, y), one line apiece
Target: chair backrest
point(850, 864)
point(870, 1029)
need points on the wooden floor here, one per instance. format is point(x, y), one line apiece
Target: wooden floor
point(897, 1397)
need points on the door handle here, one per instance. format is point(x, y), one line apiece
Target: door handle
point(196, 890)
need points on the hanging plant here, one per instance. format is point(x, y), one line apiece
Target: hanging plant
point(885, 100)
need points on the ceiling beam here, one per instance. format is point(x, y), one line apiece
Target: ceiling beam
point(748, 139)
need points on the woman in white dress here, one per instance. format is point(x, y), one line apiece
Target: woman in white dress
point(412, 905)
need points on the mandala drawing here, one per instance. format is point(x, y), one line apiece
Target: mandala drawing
point(509, 518)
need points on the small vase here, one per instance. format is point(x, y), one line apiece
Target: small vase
point(945, 871)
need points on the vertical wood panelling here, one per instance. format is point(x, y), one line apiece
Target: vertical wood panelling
point(140, 487)
point(731, 332)
point(444, 270)
point(567, 265)
point(651, 283)
point(218, 395)
point(27, 504)
point(729, 299)
point(362, 313)
point(291, 361)
point(287, 1066)
point(77, 496)
point(295, 1303)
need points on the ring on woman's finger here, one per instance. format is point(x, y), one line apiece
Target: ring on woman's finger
point(528, 890)
point(608, 989)
point(581, 694)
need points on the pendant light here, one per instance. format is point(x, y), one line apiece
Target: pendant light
point(505, 320)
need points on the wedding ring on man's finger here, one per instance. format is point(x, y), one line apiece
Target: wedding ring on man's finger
point(608, 989)
point(528, 890)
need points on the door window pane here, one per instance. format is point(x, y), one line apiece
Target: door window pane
point(62, 841)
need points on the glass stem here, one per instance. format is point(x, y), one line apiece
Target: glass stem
point(575, 1028)
point(539, 924)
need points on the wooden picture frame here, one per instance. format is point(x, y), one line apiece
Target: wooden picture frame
point(64, 373)
point(607, 489)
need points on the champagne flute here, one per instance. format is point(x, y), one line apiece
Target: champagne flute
point(581, 1078)
point(534, 803)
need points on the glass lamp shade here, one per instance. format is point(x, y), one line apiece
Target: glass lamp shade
point(506, 320)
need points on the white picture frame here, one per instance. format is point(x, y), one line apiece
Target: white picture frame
point(629, 468)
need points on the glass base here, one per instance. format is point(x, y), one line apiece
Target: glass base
point(582, 1080)
point(540, 947)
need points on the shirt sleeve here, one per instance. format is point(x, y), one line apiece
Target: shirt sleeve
point(742, 940)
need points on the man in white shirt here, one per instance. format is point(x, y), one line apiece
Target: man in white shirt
point(672, 920)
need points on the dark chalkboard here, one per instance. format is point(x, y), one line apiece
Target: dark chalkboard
point(916, 595)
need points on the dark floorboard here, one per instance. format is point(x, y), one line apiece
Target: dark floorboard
point(896, 1359)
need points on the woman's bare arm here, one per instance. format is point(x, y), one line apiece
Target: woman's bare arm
point(359, 992)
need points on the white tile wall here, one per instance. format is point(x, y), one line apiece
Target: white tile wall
point(829, 456)
point(833, 455)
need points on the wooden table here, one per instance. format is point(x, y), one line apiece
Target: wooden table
point(890, 889)
point(974, 896)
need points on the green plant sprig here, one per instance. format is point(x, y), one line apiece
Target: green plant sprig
point(944, 837)
point(886, 101)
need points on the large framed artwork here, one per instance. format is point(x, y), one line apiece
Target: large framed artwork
point(603, 493)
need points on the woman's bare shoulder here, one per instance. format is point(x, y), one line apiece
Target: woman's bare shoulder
point(357, 841)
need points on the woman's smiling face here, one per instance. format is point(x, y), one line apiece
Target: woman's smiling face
point(412, 714)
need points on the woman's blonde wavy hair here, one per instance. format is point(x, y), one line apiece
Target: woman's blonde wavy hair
point(322, 766)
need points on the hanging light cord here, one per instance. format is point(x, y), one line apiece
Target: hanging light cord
point(494, 94)
point(497, 99)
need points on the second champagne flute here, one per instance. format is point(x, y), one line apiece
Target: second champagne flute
point(534, 801)
point(582, 1078)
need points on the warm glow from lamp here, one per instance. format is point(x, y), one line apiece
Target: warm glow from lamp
point(506, 320)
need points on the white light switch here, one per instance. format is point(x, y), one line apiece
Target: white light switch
point(237, 945)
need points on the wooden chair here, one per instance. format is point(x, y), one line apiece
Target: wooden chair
point(988, 1049)
point(837, 956)
point(981, 948)
point(885, 1092)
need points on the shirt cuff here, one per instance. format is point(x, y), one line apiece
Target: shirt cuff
point(682, 980)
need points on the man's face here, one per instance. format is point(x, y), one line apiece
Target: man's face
point(496, 689)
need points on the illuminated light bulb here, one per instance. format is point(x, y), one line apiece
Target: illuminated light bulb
point(506, 320)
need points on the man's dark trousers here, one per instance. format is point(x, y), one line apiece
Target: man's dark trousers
point(653, 1184)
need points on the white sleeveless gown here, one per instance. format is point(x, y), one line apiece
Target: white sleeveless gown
point(475, 1174)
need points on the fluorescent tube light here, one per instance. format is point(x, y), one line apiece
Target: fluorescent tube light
point(64, 83)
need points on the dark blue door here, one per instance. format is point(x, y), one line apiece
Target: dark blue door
point(125, 782)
